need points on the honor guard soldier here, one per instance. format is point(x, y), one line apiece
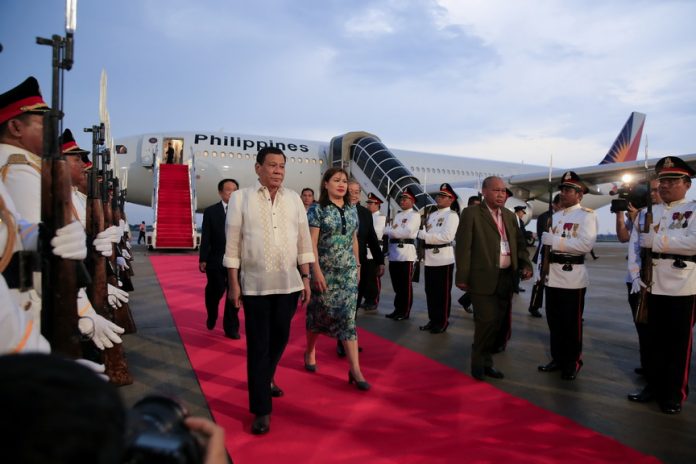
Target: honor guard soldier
point(402, 233)
point(438, 235)
point(671, 295)
point(371, 279)
point(573, 233)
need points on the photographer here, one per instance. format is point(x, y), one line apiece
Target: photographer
point(58, 411)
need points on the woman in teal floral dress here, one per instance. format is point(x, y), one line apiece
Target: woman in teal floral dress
point(333, 222)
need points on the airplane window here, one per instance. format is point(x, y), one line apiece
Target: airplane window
point(222, 154)
point(306, 160)
point(314, 161)
point(214, 154)
point(299, 160)
point(321, 161)
point(239, 155)
point(205, 153)
point(292, 159)
point(247, 156)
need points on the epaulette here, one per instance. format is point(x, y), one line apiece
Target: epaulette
point(17, 159)
point(587, 210)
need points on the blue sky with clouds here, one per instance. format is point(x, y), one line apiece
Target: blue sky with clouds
point(508, 80)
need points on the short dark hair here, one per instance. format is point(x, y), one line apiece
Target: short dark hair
point(324, 195)
point(221, 184)
point(261, 156)
point(473, 199)
point(56, 410)
point(307, 189)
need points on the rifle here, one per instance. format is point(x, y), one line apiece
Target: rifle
point(59, 283)
point(122, 316)
point(646, 271)
point(536, 300)
point(420, 248)
point(114, 357)
point(385, 238)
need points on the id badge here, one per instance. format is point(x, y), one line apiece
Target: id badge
point(504, 248)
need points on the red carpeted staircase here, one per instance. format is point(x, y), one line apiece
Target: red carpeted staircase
point(174, 218)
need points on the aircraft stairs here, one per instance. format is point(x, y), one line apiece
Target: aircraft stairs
point(376, 168)
point(173, 199)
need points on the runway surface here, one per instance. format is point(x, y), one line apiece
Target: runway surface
point(597, 399)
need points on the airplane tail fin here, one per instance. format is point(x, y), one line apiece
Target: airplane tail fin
point(625, 147)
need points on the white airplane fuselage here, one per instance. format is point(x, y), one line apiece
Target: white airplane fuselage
point(216, 156)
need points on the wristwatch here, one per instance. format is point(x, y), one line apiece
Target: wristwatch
point(304, 276)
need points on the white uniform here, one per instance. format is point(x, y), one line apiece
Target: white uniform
point(440, 230)
point(21, 172)
point(404, 227)
point(79, 203)
point(574, 233)
point(378, 222)
point(674, 233)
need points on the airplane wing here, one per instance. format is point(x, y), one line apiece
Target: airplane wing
point(536, 185)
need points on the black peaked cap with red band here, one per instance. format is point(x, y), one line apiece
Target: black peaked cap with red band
point(25, 98)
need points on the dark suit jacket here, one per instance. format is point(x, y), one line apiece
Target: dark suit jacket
point(367, 236)
point(477, 251)
point(541, 225)
point(213, 238)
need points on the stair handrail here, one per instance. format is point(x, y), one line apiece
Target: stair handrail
point(192, 195)
point(155, 198)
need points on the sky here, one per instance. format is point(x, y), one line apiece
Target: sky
point(506, 80)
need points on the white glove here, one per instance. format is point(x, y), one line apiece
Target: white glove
point(98, 369)
point(646, 240)
point(101, 331)
point(103, 244)
point(121, 263)
point(116, 296)
point(128, 245)
point(546, 238)
point(70, 242)
point(123, 226)
point(125, 254)
point(637, 285)
point(113, 233)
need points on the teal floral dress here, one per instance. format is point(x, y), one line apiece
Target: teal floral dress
point(333, 312)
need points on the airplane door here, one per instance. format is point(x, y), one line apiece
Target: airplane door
point(172, 150)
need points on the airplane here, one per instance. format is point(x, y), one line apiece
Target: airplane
point(210, 157)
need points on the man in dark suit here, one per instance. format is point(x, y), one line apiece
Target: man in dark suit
point(489, 251)
point(369, 269)
point(212, 250)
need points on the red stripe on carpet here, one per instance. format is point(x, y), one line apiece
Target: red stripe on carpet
point(418, 410)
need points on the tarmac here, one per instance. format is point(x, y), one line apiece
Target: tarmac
point(596, 399)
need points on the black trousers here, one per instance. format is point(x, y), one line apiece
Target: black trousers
point(438, 293)
point(670, 326)
point(141, 236)
point(489, 311)
point(401, 273)
point(215, 289)
point(370, 285)
point(642, 329)
point(564, 308)
point(267, 321)
point(505, 331)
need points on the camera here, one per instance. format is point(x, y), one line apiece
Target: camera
point(157, 434)
point(635, 194)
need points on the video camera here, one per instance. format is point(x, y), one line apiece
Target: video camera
point(635, 194)
point(156, 434)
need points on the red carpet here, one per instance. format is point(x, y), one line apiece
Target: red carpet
point(174, 219)
point(418, 411)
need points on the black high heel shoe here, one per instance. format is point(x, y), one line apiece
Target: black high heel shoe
point(362, 385)
point(309, 367)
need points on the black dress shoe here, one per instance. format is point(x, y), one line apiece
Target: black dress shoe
point(569, 374)
point(493, 372)
point(276, 392)
point(360, 384)
point(478, 373)
point(232, 335)
point(309, 367)
point(643, 396)
point(550, 367)
point(426, 327)
point(535, 313)
point(391, 315)
point(400, 318)
point(261, 424)
point(436, 330)
point(669, 407)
